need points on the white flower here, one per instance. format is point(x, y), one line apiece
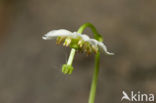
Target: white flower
point(65, 33)
point(62, 32)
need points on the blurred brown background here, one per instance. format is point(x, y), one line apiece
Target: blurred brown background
point(30, 68)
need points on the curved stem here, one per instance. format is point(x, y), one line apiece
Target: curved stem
point(98, 37)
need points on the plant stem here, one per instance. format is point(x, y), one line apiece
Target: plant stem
point(94, 80)
point(98, 37)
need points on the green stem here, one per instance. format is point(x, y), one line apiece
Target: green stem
point(94, 80)
point(98, 37)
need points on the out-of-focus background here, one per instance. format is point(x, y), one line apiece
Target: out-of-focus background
point(30, 68)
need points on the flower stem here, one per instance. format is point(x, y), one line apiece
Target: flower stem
point(94, 80)
point(98, 37)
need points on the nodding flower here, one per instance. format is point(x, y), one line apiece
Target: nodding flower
point(80, 42)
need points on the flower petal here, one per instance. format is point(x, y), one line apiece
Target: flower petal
point(103, 46)
point(65, 33)
point(100, 45)
point(83, 36)
point(93, 42)
point(55, 33)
